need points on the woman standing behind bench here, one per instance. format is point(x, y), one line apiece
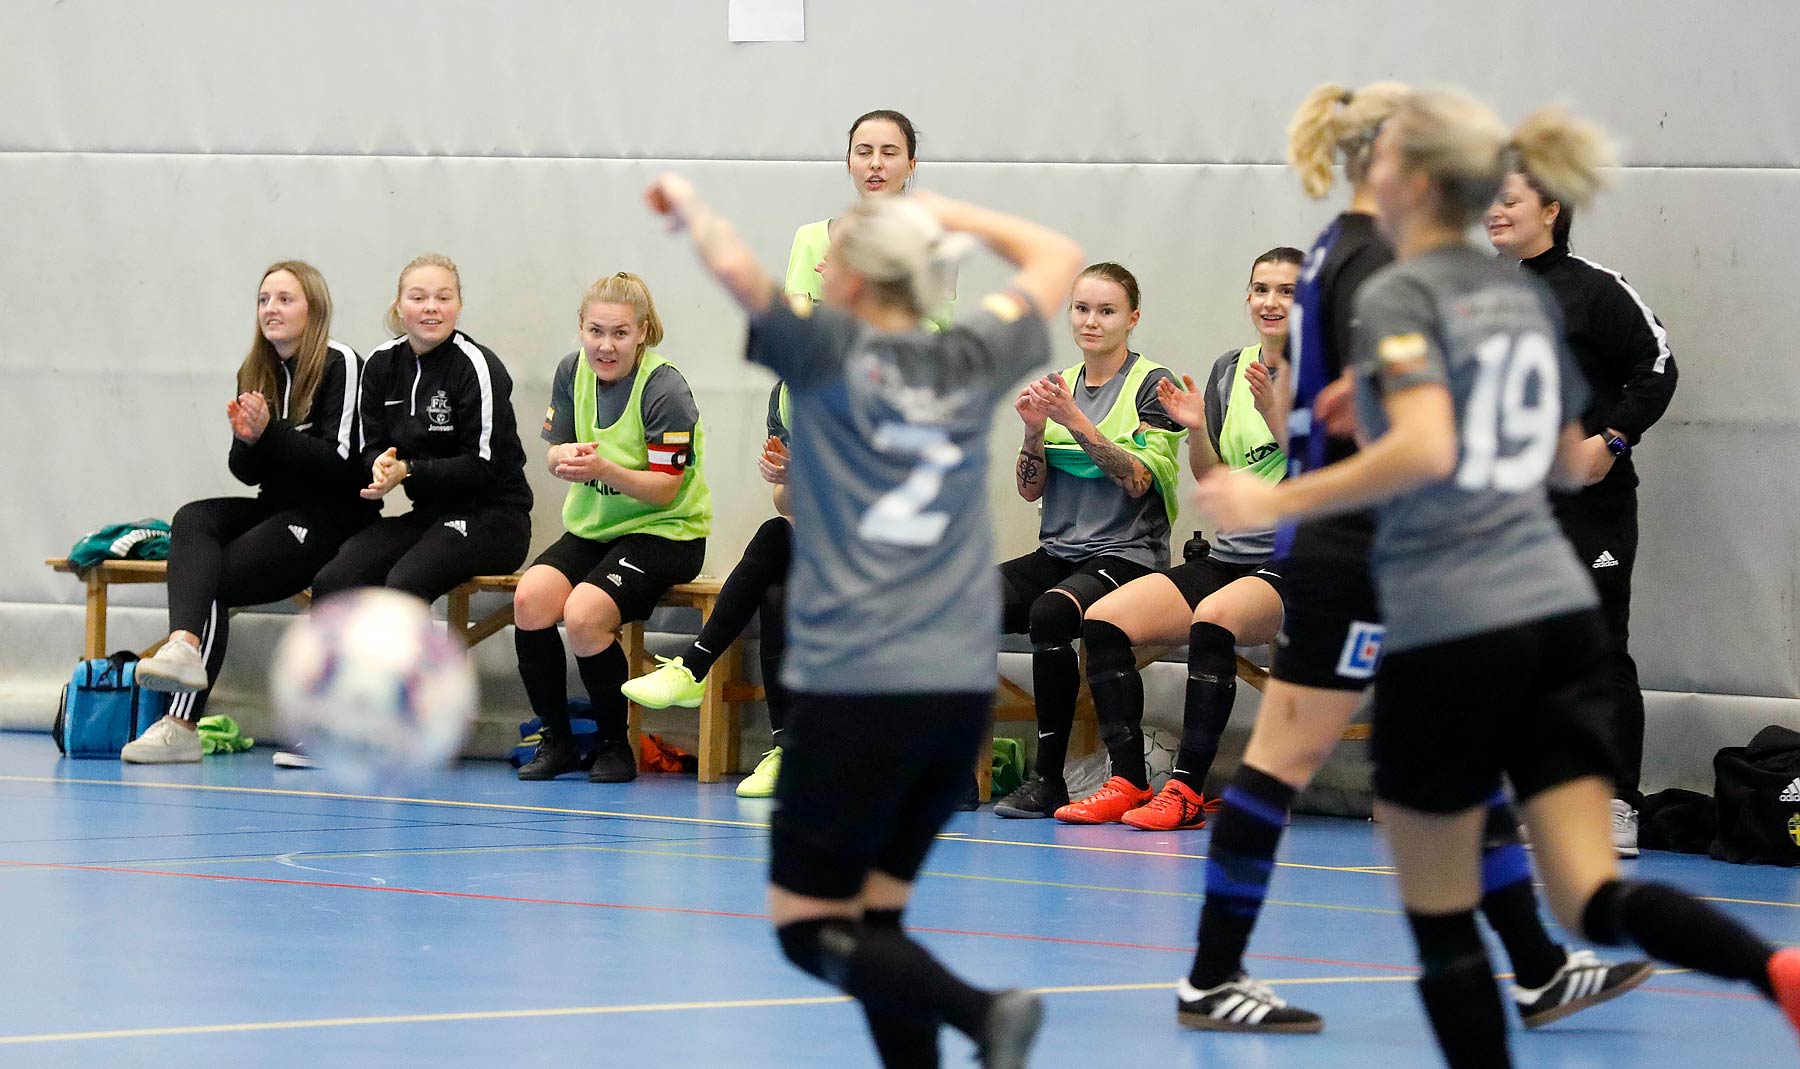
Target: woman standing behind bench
point(625, 431)
point(293, 426)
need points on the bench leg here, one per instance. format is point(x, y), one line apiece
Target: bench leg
point(717, 724)
point(631, 636)
point(93, 643)
point(984, 763)
point(456, 612)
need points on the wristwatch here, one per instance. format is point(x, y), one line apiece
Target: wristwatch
point(1618, 446)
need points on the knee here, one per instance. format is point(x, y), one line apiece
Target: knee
point(773, 541)
point(821, 947)
point(1108, 648)
point(537, 606)
point(193, 518)
point(592, 619)
point(1210, 612)
point(1055, 620)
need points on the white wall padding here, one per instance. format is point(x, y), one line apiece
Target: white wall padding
point(154, 157)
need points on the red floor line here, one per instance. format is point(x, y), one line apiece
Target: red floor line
point(1067, 940)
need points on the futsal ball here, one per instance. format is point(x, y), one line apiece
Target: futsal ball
point(1159, 754)
point(373, 688)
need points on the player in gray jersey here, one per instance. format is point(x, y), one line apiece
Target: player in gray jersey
point(1212, 603)
point(1100, 459)
point(893, 620)
point(1468, 402)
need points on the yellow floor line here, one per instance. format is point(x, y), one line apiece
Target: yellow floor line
point(571, 1011)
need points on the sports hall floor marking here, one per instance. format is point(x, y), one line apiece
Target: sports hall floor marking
point(574, 1011)
point(715, 821)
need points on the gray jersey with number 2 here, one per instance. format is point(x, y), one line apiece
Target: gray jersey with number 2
point(1480, 550)
point(893, 588)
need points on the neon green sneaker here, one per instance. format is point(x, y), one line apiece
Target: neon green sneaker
point(670, 684)
point(760, 783)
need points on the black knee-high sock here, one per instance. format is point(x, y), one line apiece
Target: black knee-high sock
point(1211, 692)
point(603, 674)
point(544, 667)
point(772, 652)
point(886, 972)
point(1239, 862)
point(1677, 928)
point(1055, 678)
point(1458, 989)
point(1509, 902)
point(764, 564)
point(903, 1042)
point(1118, 698)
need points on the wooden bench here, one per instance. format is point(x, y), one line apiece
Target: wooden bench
point(718, 712)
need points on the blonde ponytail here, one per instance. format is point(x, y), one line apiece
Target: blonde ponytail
point(903, 250)
point(1335, 123)
point(1562, 153)
point(431, 259)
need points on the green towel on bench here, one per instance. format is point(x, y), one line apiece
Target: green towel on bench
point(221, 734)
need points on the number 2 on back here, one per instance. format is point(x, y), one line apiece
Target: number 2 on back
point(1509, 435)
point(899, 517)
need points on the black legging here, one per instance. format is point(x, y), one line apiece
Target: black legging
point(757, 584)
point(1602, 525)
point(428, 554)
point(226, 552)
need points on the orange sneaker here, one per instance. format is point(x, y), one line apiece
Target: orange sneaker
point(1177, 807)
point(1114, 799)
point(1784, 976)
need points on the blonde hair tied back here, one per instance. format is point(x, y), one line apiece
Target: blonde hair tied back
point(623, 287)
point(903, 250)
point(1335, 122)
point(431, 259)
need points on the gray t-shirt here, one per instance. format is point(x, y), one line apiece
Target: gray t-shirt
point(1478, 551)
point(893, 588)
point(1245, 547)
point(668, 404)
point(778, 427)
point(1087, 518)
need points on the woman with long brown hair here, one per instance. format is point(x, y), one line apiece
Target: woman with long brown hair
point(294, 436)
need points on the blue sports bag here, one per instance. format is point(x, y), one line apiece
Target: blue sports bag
point(103, 708)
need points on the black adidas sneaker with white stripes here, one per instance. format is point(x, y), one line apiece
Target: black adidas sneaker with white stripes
point(1241, 1004)
point(1584, 980)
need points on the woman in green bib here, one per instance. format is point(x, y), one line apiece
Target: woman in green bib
point(1213, 603)
point(1101, 456)
point(625, 433)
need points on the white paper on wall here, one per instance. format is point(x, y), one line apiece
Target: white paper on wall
point(767, 20)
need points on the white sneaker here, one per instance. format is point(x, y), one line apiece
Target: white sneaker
point(294, 758)
point(1624, 828)
point(177, 668)
point(163, 743)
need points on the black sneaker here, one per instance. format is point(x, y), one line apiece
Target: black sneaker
point(1035, 799)
point(555, 756)
point(1012, 1026)
point(970, 798)
point(1241, 1004)
point(1584, 980)
point(613, 763)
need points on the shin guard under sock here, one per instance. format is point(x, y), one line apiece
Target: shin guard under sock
point(544, 667)
point(1509, 902)
point(1240, 859)
point(1211, 692)
point(1055, 678)
point(1677, 928)
point(1458, 989)
point(603, 674)
point(1118, 692)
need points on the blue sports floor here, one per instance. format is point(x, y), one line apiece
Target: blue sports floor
point(234, 914)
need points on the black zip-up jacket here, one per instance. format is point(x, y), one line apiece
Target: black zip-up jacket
point(315, 460)
point(1619, 345)
point(448, 413)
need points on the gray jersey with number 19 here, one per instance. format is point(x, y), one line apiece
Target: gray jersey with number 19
point(893, 588)
point(1478, 551)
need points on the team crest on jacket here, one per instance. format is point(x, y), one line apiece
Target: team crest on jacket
point(438, 409)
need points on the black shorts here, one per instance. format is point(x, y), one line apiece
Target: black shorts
point(1530, 702)
point(1201, 579)
point(1025, 579)
point(867, 781)
point(635, 570)
point(1331, 628)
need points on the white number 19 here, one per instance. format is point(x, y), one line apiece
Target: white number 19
point(1509, 436)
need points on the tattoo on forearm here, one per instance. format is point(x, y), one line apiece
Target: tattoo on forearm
point(1121, 467)
point(1031, 467)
